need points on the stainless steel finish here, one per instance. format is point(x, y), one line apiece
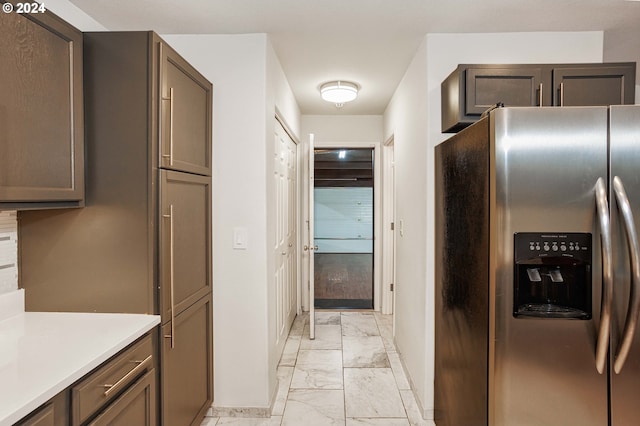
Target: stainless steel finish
point(170, 99)
point(142, 366)
point(634, 254)
point(624, 160)
point(561, 94)
point(171, 278)
point(547, 172)
point(604, 222)
point(543, 162)
point(462, 308)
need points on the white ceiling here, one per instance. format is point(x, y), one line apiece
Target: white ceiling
point(370, 42)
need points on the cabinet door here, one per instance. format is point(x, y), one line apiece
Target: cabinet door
point(485, 87)
point(185, 241)
point(136, 406)
point(43, 417)
point(187, 365)
point(597, 85)
point(185, 122)
point(41, 120)
point(53, 413)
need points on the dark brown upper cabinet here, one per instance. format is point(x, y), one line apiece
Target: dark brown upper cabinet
point(185, 119)
point(472, 89)
point(41, 112)
point(605, 84)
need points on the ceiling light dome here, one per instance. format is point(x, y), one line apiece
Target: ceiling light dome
point(339, 92)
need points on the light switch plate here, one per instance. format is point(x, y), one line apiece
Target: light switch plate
point(240, 238)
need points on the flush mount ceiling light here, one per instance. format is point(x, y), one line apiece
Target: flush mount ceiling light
point(339, 92)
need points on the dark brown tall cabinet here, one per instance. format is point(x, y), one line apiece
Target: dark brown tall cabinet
point(143, 242)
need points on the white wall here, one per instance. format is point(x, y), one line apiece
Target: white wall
point(73, 15)
point(413, 119)
point(247, 83)
point(405, 120)
point(343, 128)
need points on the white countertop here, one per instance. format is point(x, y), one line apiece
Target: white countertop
point(43, 353)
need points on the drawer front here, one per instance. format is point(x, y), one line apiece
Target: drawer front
point(106, 383)
point(135, 407)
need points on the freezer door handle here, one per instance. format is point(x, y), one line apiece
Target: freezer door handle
point(602, 207)
point(631, 322)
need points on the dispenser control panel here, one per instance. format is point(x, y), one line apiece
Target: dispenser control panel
point(552, 275)
point(552, 244)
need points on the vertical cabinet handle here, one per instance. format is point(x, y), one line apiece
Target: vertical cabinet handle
point(171, 336)
point(602, 208)
point(170, 99)
point(561, 94)
point(634, 260)
point(540, 94)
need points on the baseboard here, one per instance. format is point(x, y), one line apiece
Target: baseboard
point(262, 412)
point(426, 413)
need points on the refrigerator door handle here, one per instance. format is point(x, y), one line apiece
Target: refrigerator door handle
point(602, 207)
point(634, 259)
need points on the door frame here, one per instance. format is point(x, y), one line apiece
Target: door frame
point(380, 296)
point(387, 305)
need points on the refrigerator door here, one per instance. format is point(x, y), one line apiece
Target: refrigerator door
point(624, 158)
point(545, 165)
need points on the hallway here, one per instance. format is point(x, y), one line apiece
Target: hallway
point(349, 375)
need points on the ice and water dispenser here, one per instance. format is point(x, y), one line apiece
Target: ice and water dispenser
point(552, 275)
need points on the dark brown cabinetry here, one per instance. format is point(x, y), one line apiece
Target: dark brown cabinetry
point(41, 114)
point(187, 372)
point(110, 387)
point(605, 84)
point(142, 244)
point(471, 89)
point(53, 413)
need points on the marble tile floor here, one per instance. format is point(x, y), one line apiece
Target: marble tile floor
point(350, 375)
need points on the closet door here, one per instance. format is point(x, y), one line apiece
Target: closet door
point(185, 241)
point(185, 115)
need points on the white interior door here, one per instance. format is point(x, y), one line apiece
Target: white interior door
point(285, 249)
point(310, 246)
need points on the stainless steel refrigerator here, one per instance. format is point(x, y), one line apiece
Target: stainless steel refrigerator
point(537, 269)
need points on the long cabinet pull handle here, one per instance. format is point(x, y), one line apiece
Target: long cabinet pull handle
point(540, 94)
point(171, 336)
point(602, 208)
point(170, 99)
point(126, 378)
point(631, 322)
point(561, 94)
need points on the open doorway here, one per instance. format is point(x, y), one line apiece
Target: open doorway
point(344, 228)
